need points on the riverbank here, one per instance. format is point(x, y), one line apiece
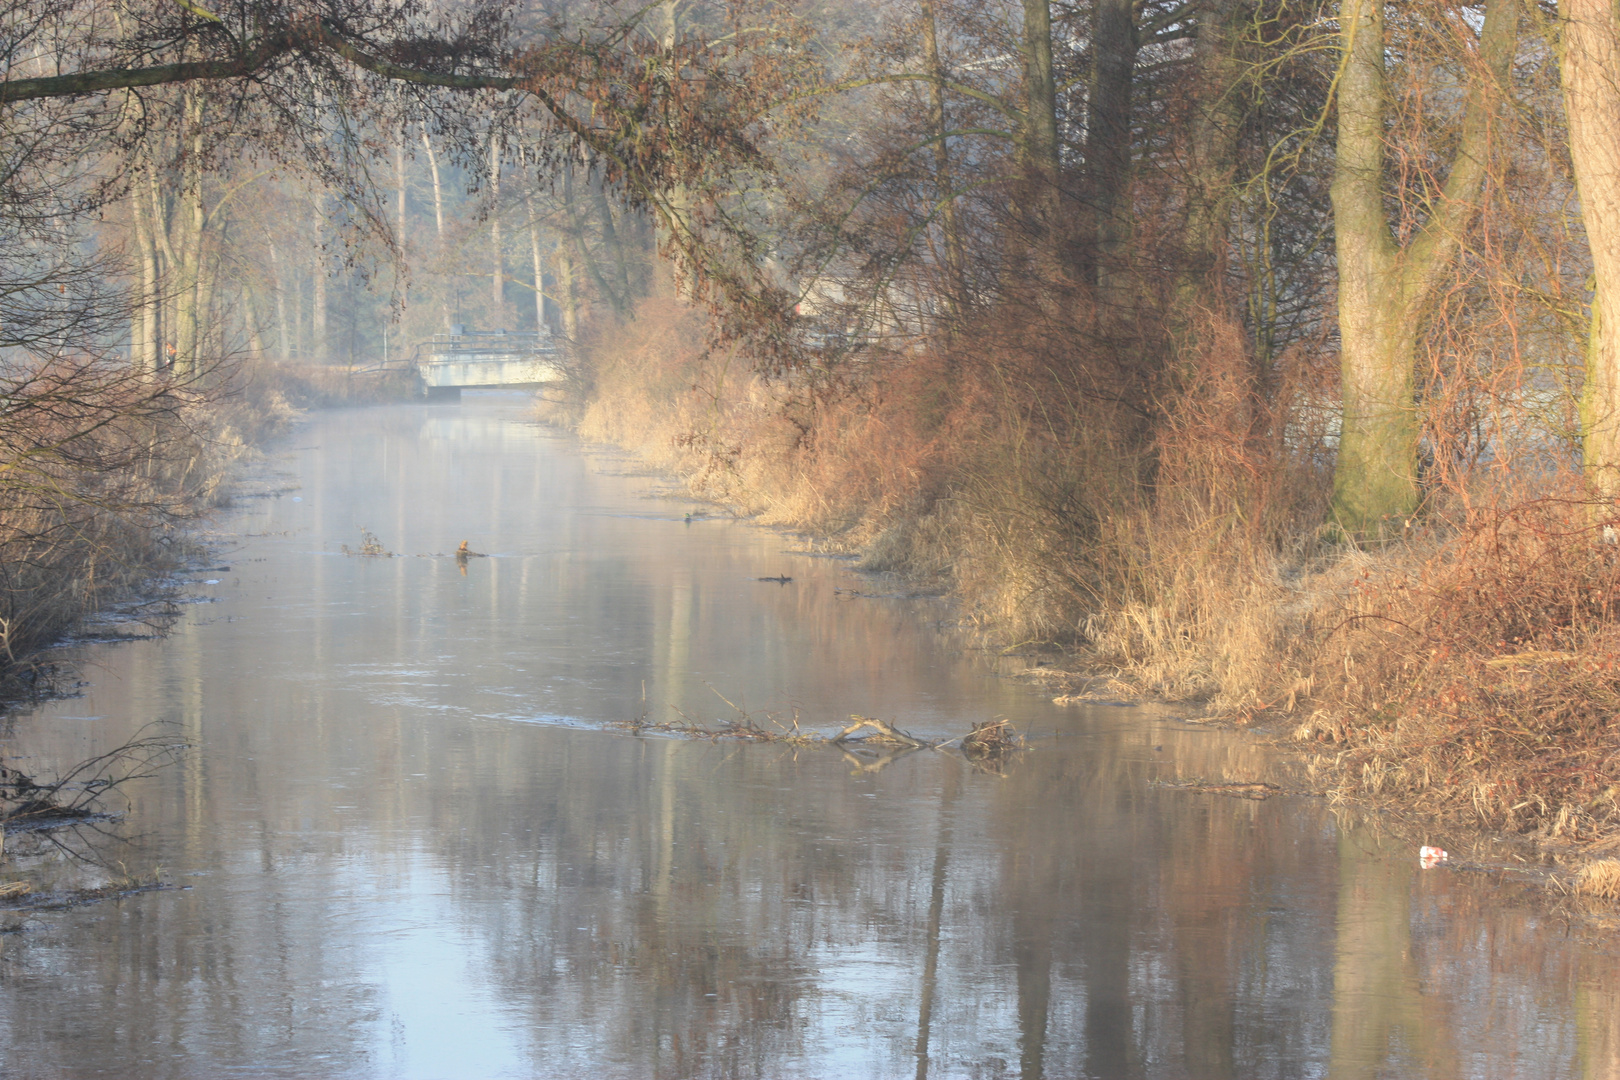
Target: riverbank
point(104, 470)
point(1464, 671)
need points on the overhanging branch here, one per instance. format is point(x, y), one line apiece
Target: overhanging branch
point(317, 34)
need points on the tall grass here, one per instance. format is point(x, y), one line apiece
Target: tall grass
point(1467, 667)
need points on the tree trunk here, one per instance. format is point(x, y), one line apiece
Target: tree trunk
point(1590, 61)
point(539, 265)
point(438, 184)
point(1108, 158)
point(193, 222)
point(319, 347)
point(146, 342)
point(674, 233)
point(300, 342)
point(280, 283)
point(613, 245)
point(399, 188)
point(1385, 291)
point(1218, 114)
point(944, 194)
point(568, 268)
point(253, 318)
point(210, 336)
point(167, 262)
point(568, 288)
point(1038, 141)
point(498, 274)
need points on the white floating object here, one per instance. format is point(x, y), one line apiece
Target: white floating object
point(1431, 857)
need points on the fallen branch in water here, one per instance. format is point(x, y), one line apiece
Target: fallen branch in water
point(990, 741)
point(887, 733)
point(27, 803)
point(1250, 789)
point(24, 899)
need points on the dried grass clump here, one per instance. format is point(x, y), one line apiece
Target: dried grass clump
point(1478, 672)
point(1600, 878)
point(992, 738)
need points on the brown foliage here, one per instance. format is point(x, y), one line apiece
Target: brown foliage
point(1475, 672)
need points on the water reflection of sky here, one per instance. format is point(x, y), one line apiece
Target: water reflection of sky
point(414, 848)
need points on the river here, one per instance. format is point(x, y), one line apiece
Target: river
point(409, 841)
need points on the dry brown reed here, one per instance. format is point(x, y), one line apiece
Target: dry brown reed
point(1600, 878)
point(1466, 668)
point(1474, 672)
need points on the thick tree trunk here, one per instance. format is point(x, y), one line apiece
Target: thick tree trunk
point(162, 306)
point(1108, 157)
point(1385, 291)
point(193, 220)
point(1218, 114)
point(1590, 68)
point(146, 344)
point(1038, 142)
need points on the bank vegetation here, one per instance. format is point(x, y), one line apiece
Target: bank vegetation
point(1254, 352)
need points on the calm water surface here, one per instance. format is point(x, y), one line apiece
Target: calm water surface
point(412, 845)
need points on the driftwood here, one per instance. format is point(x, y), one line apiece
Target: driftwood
point(780, 580)
point(887, 733)
point(1251, 789)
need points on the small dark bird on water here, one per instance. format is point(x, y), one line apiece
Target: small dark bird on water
point(782, 580)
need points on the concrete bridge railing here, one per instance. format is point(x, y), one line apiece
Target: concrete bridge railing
point(454, 362)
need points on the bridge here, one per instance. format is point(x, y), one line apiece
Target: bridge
point(474, 359)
